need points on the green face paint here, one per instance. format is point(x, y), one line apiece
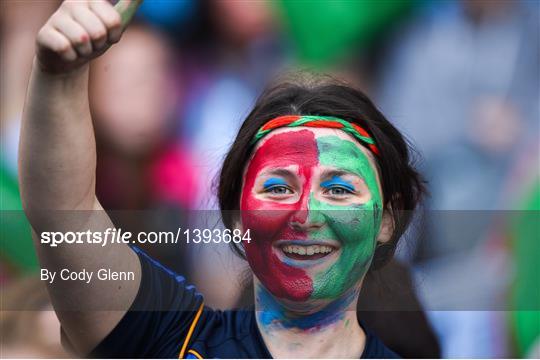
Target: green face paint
point(355, 226)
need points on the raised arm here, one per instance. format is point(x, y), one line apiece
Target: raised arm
point(58, 162)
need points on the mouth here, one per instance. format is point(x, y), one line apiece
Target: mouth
point(304, 250)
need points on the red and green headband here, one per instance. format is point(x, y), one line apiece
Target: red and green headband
point(321, 122)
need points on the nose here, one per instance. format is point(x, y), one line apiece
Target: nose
point(305, 217)
point(304, 226)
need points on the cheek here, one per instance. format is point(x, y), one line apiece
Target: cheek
point(262, 218)
point(280, 279)
point(351, 228)
point(358, 245)
point(263, 223)
point(358, 238)
point(357, 228)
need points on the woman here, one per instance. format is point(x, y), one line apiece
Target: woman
point(322, 180)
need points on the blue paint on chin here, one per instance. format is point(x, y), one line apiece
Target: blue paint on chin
point(337, 180)
point(272, 313)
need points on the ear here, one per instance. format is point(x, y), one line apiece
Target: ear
point(387, 227)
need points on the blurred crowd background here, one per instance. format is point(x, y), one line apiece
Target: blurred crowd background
point(459, 78)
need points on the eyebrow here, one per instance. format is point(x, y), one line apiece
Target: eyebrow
point(279, 172)
point(330, 173)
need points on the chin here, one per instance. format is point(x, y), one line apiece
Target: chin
point(296, 289)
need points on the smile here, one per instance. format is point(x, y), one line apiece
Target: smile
point(308, 252)
point(305, 250)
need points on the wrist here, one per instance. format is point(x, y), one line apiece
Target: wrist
point(61, 74)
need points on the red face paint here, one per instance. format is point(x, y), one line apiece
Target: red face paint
point(269, 221)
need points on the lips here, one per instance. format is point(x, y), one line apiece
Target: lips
point(305, 249)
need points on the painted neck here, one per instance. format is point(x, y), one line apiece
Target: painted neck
point(310, 329)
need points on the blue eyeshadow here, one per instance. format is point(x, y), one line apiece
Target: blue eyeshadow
point(274, 181)
point(337, 180)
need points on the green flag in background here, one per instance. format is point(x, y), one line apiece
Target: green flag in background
point(325, 32)
point(16, 246)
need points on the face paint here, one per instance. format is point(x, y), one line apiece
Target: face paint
point(267, 220)
point(356, 226)
point(353, 226)
point(272, 313)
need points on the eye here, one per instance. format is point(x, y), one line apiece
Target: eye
point(338, 191)
point(277, 187)
point(278, 190)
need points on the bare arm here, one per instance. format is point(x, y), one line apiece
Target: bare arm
point(57, 168)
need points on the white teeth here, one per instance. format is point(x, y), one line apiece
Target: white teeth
point(307, 250)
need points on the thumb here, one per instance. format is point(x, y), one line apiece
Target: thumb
point(126, 9)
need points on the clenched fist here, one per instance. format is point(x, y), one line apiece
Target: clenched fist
point(79, 31)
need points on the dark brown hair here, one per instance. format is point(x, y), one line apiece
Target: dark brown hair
point(402, 186)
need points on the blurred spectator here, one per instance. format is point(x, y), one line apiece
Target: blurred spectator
point(142, 165)
point(135, 95)
point(457, 64)
point(458, 81)
point(226, 72)
point(19, 24)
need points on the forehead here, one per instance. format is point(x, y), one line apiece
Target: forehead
point(295, 144)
